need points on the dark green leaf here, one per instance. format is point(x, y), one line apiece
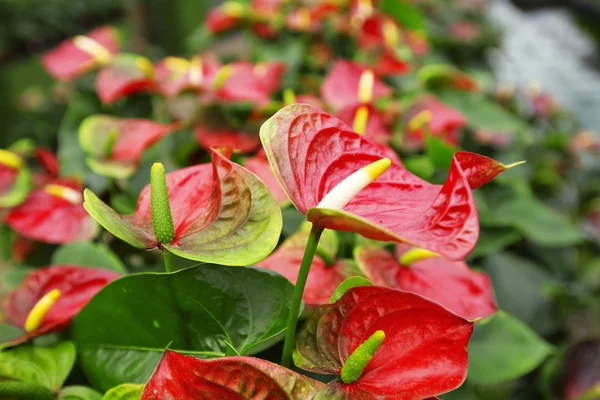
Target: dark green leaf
point(88, 255)
point(122, 332)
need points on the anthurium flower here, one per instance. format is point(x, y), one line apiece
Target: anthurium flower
point(225, 17)
point(375, 127)
point(221, 213)
point(319, 162)
point(54, 213)
point(237, 140)
point(175, 74)
point(259, 166)
point(179, 376)
point(430, 116)
point(15, 179)
point(341, 86)
point(74, 57)
point(246, 82)
point(326, 272)
point(124, 75)
point(450, 283)
point(116, 145)
point(384, 344)
point(48, 298)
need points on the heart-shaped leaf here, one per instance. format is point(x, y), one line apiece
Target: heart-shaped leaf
point(450, 283)
point(88, 255)
point(126, 391)
point(503, 349)
point(180, 376)
point(115, 145)
point(221, 212)
point(77, 285)
point(74, 57)
point(206, 311)
point(79, 393)
point(423, 353)
point(46, 366)
point(311, 152)
point(124, 75)
point(54, 213)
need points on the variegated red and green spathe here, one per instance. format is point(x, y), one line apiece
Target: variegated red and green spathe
point(115, 145)
point(179, 376)
point(124, 75)
point(311, 152)
point(423, 354)
point(77, 285)
point(451, 283)
point(221, 212)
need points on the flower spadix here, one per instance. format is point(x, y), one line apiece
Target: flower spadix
point(384, 343)
point(216, 208)
point(312, 152)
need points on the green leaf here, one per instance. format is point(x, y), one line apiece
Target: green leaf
point(482, 113)
point(46, 366)
point(348, 284)
point(405, 13)
point(88, 255)
point(79, 393)
point(422, 166)
point(14, 276)
point(122, 332)
point(492, 241)
point(537, 222)
point(328, 244)
point(8, 333)
point(19, 191)
point(126, 391)
point(439, 152)
point(503, 348)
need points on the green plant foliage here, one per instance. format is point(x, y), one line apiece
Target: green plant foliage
point(126, 391)
point(79, 393)
point(88, 255)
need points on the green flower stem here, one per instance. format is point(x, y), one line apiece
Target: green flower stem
point(169, 261)
point(309, 254)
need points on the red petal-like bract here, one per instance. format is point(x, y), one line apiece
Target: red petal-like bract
point(311, 152)
point(340, 87)
point(125, 75)
point(173, 75)
point(375, 129)
point(52, 219)
point(179, 376)
point(237, 140)
point(67, 61)
point(8, 177)
point(77, 286)
point(450, 283)
point(48, 161)
point(424, 352)
point(252, 83)
point(218, 21)
point(259, 165)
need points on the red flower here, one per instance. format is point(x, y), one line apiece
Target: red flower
point(66, 289)
point(126, 74)
point(54, 213)
point(312, 152)
point(247, 82)
point(259, 165)
point(450, 283)
point(116, 145)
point(222, 19)
point(421, 351)
point(430, 116)
point(74, 57)
point(179, 376)
point(175, 74)
point(237, 140)
point(375, 128)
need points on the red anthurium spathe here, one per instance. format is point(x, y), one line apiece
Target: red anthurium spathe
point(375, 127)
point(54, 213)
point(314, 154)
point(259, 165)
point(124, 75)
point(179, 376)
point(428, 115)
point(247, 82)
point(326, 272)
point(450, 283)
point(216, 207)
point(116, 145)
point(74, 57)
point(237, 140)
point(420, 350)
point(341, 85)
point(50, 297)
point(226, 17)
point(175, 74)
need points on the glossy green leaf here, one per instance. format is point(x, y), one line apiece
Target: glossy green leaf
point(439, 152)
point(538, 223)
point(19, 191)
point(88, 255)
point(122, 332)
point(348, 284)
point(79, 393)
point(46, 366)
point(126, 391)
point(503, 348)
point(405, 13)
